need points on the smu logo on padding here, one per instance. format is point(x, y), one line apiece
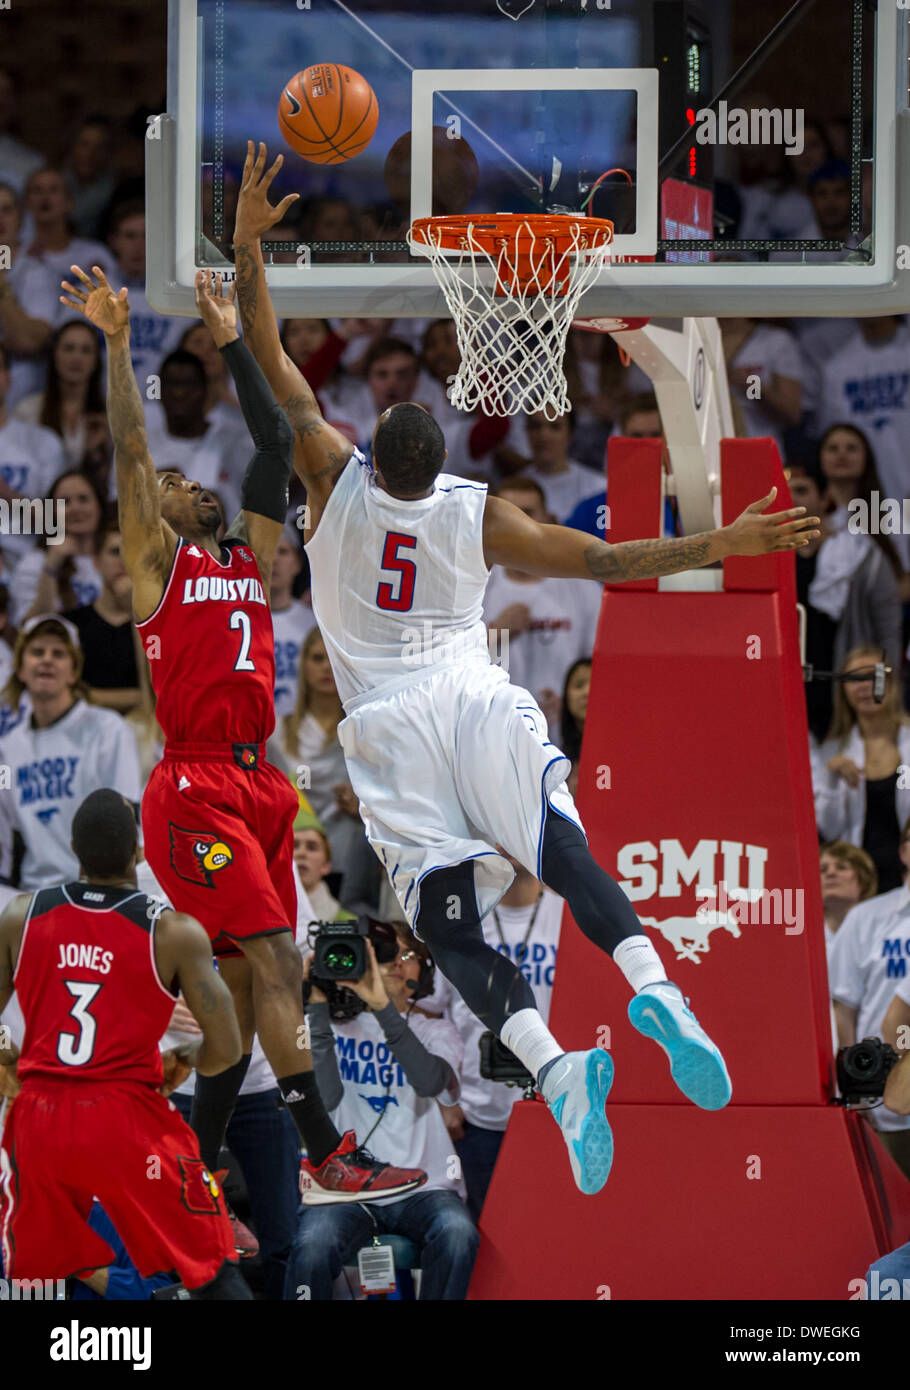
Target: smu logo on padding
point(726, 875)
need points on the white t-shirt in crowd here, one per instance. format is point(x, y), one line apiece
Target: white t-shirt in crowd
point(564, 491)
point(766, 352)
point(152, 335)
point(31, 457)
point(564, 614)
point(868, 385)
point(38, 294)
point(85, 583)
point(411, 1133)
point(290, 627)
point(52, 771)
point(869, 960)
point(81, 252)
point(73, 440)
point(534, 950)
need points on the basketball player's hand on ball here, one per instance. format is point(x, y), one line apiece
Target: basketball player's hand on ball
point(255, 213)
point(217, 306)
point(756, 531)
point(102, 306)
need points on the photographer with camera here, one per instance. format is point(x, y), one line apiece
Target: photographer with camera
point(889, 1277)
point(868, 961)
point(384, 1067)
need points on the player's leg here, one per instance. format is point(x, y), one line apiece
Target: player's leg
point(160, 1195)
point(607, 918)
point(494, 989)
point(276, 973)
point(46, 1187)
point(214, 1096)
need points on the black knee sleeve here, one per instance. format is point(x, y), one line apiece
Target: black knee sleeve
point(449, 922)
point(596, 901)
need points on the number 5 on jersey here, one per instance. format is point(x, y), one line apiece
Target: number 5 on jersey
point(397, 597)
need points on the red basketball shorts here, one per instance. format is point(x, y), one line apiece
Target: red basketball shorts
point(219, 836)
point(65, 1143)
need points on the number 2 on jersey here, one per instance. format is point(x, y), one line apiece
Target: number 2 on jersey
point(241, 620)
point(386, 595)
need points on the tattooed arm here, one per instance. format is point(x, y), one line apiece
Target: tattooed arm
point(149, 543)
point(320, 451)
point(512, 539)
point(183, 956)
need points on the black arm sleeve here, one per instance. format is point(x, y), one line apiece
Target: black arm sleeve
point(265, 484)
point(325, 1059)
point(429, 1074)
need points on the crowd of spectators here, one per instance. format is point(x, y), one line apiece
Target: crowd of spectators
point(77, 710)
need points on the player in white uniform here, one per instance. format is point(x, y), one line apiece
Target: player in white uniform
point(448, 759)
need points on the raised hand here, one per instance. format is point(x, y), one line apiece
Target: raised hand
point(102, 306)
point(756, 531)
point(255, 213)
point(216, 306)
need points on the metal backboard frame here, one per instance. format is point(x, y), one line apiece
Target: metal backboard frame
point(875, 284)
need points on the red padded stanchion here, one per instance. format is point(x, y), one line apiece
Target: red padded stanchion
point(695, 791)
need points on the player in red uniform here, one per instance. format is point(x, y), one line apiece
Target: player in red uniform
point(97, 967)
point(217, 818)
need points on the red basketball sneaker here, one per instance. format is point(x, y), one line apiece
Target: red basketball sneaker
point(352, 1174)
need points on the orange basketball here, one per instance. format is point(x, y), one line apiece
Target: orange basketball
point(328, 113)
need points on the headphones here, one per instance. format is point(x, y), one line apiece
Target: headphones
point(386, 945)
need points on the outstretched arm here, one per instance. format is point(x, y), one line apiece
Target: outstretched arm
point(149, 543)
point(183, 955)
point(320, 451)
point(264, 491)
point(512, 539)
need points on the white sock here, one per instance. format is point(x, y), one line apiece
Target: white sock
point(639, 962)
point(526, 1034)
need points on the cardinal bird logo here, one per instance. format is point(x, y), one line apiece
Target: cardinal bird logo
point(197, 855)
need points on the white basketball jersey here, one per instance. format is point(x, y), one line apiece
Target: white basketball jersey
point(398, 586)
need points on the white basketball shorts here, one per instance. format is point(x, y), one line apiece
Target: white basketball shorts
point(449, 768)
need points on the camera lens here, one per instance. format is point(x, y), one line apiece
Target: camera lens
point(340, 959)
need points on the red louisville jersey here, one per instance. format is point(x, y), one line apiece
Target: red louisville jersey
point(88, 986)
point(211, 649)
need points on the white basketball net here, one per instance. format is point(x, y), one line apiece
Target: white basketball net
point(512, 345)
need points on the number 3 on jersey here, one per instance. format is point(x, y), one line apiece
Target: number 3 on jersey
point(397, 598)
point(75, 1049)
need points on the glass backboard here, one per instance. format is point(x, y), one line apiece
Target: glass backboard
point(753, 157)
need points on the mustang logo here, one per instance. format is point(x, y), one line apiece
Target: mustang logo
point(197, 855)
point(689, 935)
point(378, 1103)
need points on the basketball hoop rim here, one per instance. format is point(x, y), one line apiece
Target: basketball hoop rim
point(489, 233)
